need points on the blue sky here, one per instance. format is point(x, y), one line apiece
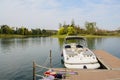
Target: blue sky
point(47, 14)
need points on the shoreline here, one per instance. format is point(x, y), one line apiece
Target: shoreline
point(53, 36)
point(19, 36)
point(87, 36)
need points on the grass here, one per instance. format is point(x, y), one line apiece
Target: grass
point(85, 35)
point(11, 36)
point(20, 36)
point(58, 36)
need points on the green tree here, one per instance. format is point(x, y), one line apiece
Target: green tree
point(21, 31)
point(36, 31)
point(33, 31)
point(12, 31)
point(39, 31)
point(5, 29)
point(118, 30)
point(71, 31)
point(90, 27)
point(26, 32)
point(72, 23)
point(61, 31)
point(0, 30)
point(44, 31)
point(78, 30)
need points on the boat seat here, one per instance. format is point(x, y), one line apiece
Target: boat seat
point(67, 46)
point(79, 50)
point(79, 46)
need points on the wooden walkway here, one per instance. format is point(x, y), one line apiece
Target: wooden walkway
point(111, 73)
point(108, 60)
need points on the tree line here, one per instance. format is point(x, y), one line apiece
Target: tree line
point(64, 29)
point(90, 28)
point(5, 29)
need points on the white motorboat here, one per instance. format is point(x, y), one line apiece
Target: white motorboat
point(77, 55)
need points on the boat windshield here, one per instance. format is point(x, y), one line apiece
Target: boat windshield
point(77, 40)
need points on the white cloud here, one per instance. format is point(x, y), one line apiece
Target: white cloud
point(49, 13)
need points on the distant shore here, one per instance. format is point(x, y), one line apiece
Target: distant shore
point(19, 36)
point(53, 36)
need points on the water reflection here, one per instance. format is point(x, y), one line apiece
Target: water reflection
point(7, 42)
point(61, 42)
point(22, 42)
point(35, 40)
point(91, 42)
point(6, 45)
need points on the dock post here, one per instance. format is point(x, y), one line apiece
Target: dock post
point(34, 77)
point(50, 59)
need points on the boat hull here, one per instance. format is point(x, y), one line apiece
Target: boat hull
point(83, 66)
point(77, 55)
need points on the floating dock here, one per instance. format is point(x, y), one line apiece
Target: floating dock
point(110, 72)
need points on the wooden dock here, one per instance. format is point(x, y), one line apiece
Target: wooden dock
point(111, 73)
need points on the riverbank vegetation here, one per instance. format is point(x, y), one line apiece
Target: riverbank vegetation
point(7, 31)
point(90, 30)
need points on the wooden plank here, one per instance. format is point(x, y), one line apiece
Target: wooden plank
point(109, 60)
point(92, 74)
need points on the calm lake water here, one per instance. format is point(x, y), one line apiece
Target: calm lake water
point(17, 54)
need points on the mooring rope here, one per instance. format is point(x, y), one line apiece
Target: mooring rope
point(46, 62)
point(41, 66)
point(39, 75)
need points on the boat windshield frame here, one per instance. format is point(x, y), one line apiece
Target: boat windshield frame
point(80, 40)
